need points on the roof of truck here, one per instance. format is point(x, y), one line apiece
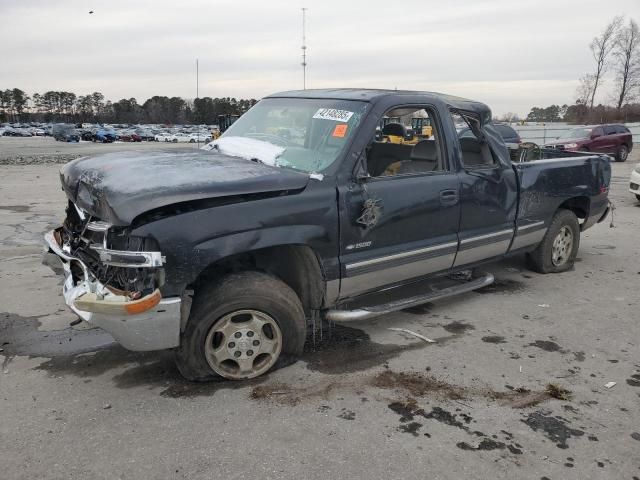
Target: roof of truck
point(373, 95)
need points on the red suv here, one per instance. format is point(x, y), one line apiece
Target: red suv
point(615, 140)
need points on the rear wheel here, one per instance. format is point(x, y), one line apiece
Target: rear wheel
point(558, 249)
point(241, 327)
point(622, 153)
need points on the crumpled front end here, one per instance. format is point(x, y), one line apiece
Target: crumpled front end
point(113, 280)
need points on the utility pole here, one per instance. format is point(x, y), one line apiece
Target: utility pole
point(304, 48)
point(196, 103)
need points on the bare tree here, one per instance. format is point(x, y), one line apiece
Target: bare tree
point(601, 47)
point(585, 89)
point(627, 62)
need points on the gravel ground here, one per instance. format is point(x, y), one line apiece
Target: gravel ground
point(365, 402)
point(45, 150)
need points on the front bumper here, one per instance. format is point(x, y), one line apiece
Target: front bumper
point(154, 329)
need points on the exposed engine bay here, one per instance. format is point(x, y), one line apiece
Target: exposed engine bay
point(97, 244)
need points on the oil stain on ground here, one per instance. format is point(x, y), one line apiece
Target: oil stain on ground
point(419, 309)
point(458, 328)
point(493, 339)
point(16, 208)
point(19, 336)
point(634, 381)
point(503, 285)
point(555, 428)
point(346, 350)
point(546, 345)
point(408, 410)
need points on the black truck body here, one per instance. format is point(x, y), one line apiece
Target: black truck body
point(331, 234)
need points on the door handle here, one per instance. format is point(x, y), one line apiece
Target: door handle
point(448, 197)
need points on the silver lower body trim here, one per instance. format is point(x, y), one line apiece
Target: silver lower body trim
point(355, 284)
point(527, 238)
point(483, 247)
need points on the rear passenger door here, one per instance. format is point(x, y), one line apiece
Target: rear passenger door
point(488, 201)
point(399, 219)
point(599, 142)
point(610, 140)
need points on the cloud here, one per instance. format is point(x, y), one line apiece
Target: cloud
point(512, 55)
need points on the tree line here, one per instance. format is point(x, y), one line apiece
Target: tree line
point(615, 50)
point(60, 106)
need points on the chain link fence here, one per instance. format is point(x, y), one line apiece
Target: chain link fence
point(544, 133)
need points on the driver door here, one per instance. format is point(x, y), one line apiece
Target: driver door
point(401, 221)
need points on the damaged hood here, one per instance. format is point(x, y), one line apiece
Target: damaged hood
point(117, 187)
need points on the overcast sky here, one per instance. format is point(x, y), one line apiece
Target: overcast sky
point(510, 54)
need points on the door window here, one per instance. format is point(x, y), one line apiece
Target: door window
point(406, 142)
point(610, 130)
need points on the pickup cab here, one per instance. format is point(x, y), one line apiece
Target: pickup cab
point(302, 212)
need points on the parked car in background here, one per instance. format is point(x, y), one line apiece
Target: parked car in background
point(145, 135)
point(180, 138)
point(129, 137)
point(86, 135)
point(162, 137)
point(612, 139)
point(62, 132)
point(104, 136)
point(634, 184)
point(200, 137)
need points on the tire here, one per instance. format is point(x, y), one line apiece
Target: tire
point(542, 259)
point(622, 153)
point(232, 304)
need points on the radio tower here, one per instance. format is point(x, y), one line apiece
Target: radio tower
point(304, 48)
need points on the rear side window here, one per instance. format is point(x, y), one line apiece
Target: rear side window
point(476, 152)
point(622, 129)
point(610, 130)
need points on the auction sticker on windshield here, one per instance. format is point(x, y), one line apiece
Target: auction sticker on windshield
point(333, 114)
point(340, 131)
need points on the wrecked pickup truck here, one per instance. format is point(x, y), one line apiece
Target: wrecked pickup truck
point(308, 208)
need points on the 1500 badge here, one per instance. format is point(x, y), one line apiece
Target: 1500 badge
point(358, 245)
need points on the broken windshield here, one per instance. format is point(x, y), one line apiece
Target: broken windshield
point(299, 133)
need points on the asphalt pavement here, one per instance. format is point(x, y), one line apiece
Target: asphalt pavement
point(514, 386)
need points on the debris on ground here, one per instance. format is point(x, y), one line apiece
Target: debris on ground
point(417, 335)
point(610, 384)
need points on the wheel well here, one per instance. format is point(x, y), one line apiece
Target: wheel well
point(295, 265)
point(578, 205)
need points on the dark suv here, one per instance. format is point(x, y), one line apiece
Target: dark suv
point(615, 140)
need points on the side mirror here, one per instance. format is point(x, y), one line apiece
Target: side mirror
point(595, 135)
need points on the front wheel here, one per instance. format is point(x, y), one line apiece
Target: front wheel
point(622, 153)
point(559, 247)
point(240, 328)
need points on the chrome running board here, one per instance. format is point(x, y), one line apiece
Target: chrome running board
point(365, 313)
